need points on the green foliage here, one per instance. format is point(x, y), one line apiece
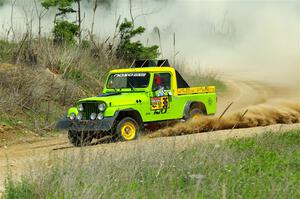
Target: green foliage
point(64, 6)
point(129, 50)
point(57, 3)
point(259, 167)
point(204, 79)
point(20, 190)
point(5, 120)
point(75, 75)
point(85, 44)
point(7, 50)
point(65, 32)
point(2, 2)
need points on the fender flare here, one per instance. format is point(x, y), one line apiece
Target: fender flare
point(188, 106)
point(129, 112)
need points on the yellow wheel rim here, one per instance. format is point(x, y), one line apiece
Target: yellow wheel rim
point(128, 131)
point(196, 116)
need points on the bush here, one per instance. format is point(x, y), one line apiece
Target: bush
point(18, 190)
point(65, 32)
point(7, 51)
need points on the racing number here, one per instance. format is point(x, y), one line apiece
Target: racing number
point(160, 104)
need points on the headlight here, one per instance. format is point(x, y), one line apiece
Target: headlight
point(101, 107)
point(79, 116)
point(93, 116)
point(80, 107)
point(72, 116)
point(100, 116)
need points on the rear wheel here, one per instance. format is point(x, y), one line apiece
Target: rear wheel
point(195, 114)
point(127, 129)
point(79, 139)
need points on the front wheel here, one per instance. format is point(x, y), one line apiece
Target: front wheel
point(127, 129)
point(79, 139)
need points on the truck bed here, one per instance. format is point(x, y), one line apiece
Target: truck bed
point(196, 90)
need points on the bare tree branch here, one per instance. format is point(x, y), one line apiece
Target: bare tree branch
point(40, 15)
point(131, 15)
point(93, 20)
point(11, 28)
point(79, 19)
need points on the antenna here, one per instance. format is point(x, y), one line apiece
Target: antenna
point(144, 63)
point(162, 63)
point(132, 63)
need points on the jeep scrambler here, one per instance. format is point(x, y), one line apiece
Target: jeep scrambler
point(150, 91)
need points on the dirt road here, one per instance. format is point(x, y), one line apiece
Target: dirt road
point(17, 158)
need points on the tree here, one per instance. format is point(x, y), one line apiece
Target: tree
point(129, 50)
point(65, 31)
point(2, 2)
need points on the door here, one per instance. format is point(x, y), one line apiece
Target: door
point(161, 97)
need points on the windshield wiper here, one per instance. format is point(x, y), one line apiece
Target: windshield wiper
point(131, 86)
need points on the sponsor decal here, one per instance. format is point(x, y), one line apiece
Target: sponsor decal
point(130, 75)
point(160, 103)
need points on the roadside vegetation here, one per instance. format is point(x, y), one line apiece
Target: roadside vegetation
point(265, 166)
point(200, 77)
point(40, 77)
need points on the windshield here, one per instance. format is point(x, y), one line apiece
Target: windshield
point(128, 80)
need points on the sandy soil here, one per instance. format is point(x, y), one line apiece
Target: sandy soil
point(18, 157)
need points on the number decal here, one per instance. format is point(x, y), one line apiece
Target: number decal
point(160, 104)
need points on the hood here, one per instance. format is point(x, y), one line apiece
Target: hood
point(117, 99)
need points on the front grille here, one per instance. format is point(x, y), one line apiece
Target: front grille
point(88, 109)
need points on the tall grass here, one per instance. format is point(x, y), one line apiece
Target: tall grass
point(40, 80)
point(261, 167)
point(195, 76)
point(44, 79)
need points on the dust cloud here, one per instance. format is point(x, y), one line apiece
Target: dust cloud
point(244, 40)
point(275, 112)
point(257, 39)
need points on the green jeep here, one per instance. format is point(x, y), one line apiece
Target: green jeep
point(149, 92)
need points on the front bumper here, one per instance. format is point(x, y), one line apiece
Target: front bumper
point(86, 125)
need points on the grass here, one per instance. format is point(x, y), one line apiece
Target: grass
point(206, 79)
point(266, 166)
point(198, 77)
point(44, 79)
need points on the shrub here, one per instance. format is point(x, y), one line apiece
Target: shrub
point(129, 50)
point(65, 32)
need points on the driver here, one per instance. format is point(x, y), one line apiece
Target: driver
point(157, 81)
point(157, 85)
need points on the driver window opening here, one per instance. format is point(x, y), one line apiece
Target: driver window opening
point(161, 81)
